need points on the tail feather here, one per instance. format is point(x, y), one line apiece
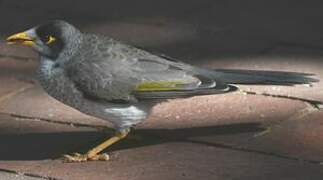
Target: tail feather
point(239, 76)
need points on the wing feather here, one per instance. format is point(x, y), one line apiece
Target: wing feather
point(111, 71)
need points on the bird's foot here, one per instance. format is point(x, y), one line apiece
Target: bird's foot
point(77, 157)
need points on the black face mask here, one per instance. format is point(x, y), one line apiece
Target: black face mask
point(47, 33)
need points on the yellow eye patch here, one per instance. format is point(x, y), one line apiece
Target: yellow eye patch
point(51, 39)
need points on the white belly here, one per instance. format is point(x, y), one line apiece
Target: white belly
point(130, 115)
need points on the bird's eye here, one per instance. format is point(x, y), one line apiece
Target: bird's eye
point(50, 39)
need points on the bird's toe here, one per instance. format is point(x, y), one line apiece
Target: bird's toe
point(77, 157)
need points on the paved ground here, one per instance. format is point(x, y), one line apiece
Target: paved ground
point(272, 132)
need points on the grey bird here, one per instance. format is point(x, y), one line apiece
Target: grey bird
point(108, 79)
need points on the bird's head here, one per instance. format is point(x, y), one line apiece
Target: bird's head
point(50, 39)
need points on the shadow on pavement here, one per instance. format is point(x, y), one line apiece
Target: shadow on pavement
point(37, 146)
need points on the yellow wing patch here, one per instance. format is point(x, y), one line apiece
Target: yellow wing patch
point(161, 85)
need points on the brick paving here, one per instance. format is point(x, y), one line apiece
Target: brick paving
point(229, 136)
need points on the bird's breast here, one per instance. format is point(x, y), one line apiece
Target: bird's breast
point(55, 82)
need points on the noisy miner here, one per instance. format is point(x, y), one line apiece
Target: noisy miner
point(111, 80)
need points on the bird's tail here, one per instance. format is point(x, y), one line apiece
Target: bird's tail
point(238, 76)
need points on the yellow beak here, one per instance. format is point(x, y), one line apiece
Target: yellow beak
point(22, 38)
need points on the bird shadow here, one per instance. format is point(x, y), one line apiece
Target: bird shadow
point(39, 146)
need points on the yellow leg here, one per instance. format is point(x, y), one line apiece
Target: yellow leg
point(93, 154)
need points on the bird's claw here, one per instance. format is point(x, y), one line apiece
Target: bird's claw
point(77, 157)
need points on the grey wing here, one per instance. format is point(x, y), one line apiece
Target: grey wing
point(96, 81)
point(127, 74)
